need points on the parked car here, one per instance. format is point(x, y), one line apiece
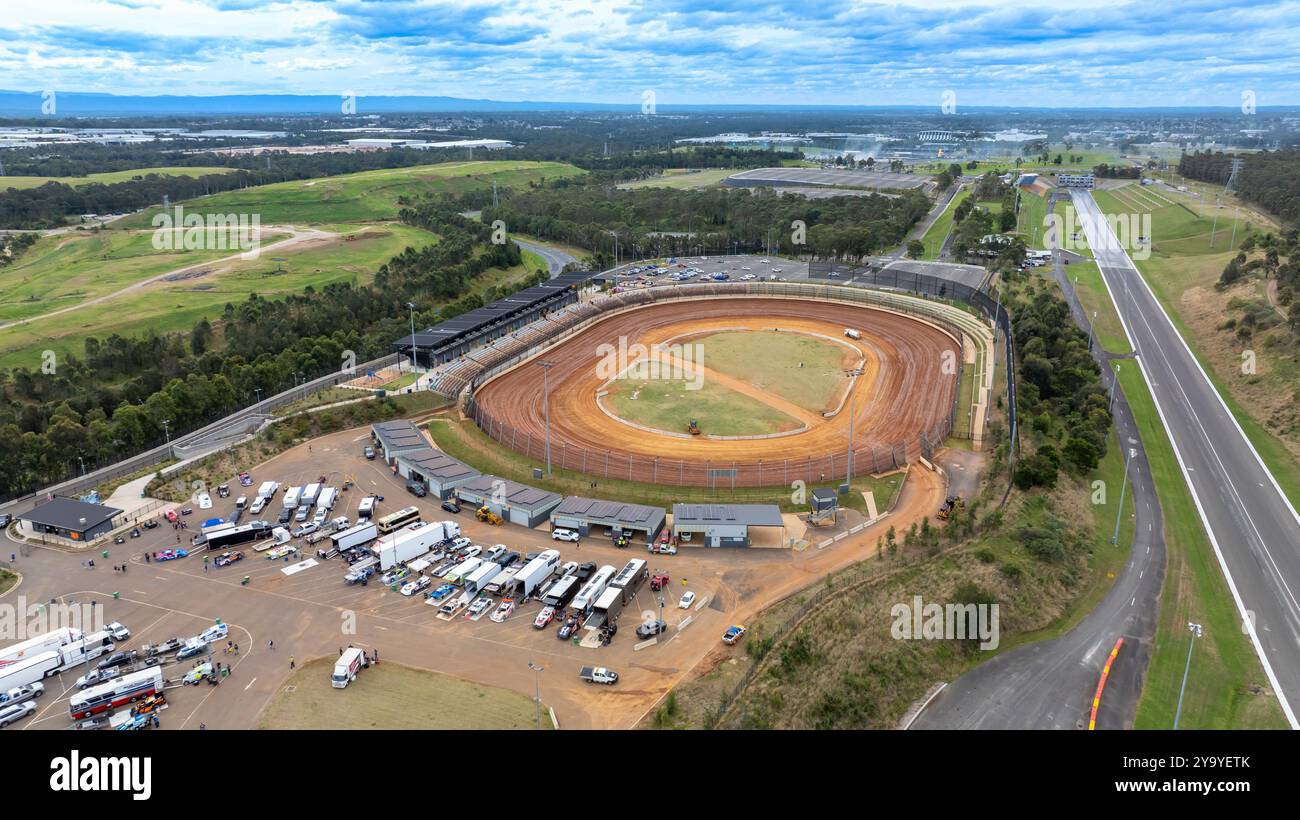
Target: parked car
point(567, 628)
point(117, 659)
point(460, 543)
point(416, 489)
point(441, 592)
point(451, 505)
point(733, 634)
point(192, 650)
point(508, 560)
point(659, 581)
point(651, 628)
point(301, 514)
point(117, 632)
point(561, 534)
point(15, 711)
point(205, 501)
point(171, 555)
point(370, 453)
point(477, 608)
point(687, 601)
point(225, 559)
point(502, 612)
point(418, 585)
point(586, 570)
point(285, 515)
point(151, 523)
point(6, 519)
point(495, 553)
point(544, 617)
point(197, 673)
point(469, 552)
point(306, 529)
point(394, 575)
point(21, 693)
point(188, 510)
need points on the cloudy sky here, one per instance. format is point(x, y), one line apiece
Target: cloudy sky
point(852, 52)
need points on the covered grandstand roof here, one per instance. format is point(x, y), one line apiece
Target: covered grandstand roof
point(468, 325)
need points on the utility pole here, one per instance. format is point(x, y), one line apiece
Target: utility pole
point(1114, 538)
point(546, 406)
point(1196, 633)
point(411, 305)
point(851, 374)
point(167, 430)
point(1233, 241)
point(537, 689)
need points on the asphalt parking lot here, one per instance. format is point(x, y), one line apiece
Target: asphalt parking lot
point(733, 266)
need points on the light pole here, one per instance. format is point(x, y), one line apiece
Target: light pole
point(851, 374)
point(546, 408)
point(1091, 327)
point(83, 464)
point(1114, 538)
point(537, 689)
point(167, 430)
point(1196, 633)
point(411, 305)
point(258, 391)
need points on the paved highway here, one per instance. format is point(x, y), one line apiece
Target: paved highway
point(1050, 684)
point(1252, 525)
point(555, 259)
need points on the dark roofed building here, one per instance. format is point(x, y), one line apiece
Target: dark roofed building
point(440, 473)
point(515, 502)
point(581, 514)
point(397, 437)
point(724, 525)
point(70, 518)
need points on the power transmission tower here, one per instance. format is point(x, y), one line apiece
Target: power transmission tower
point(1232, 178)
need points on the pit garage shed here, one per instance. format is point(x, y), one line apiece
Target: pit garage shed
point(724, 525)
point(584, 514)
point(69, 518)
point(515, 502)
point(438, 472)
point(393, 438)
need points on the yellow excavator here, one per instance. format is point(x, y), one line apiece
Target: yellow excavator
point(485, 514)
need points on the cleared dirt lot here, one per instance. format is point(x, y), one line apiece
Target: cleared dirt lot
point(312, 613)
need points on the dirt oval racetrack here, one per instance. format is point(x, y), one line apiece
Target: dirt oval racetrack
point(903, 397)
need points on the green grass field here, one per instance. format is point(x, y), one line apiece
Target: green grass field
point(165, 306)
point(934, 238)
point(1096, 299)
point(802, 369)
point(392, 696)
point(683, 179)
point(667, 404)
point(367, 196)
point(1029, 222)
point(111, 177)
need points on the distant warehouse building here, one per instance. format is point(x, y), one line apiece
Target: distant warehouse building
point(515, 502)
point(393, 438)
point(438, 472)
point(1075, 180)
point(635, 520)
point(724, 525)
point(72, 519)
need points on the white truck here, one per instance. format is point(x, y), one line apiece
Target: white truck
point(347, 667)
point(291, 498)
point(534, 572)
point(327, 498)
point(354, 536)
point(406, 544)
point(598, 674)
point(41, 643)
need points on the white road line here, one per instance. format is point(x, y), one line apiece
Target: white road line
point(250, 684)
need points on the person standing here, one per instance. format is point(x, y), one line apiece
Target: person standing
point(291, 663)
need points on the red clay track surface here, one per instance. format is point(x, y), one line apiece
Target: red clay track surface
point(903, 395)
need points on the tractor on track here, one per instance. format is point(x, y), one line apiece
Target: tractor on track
point(693, 428)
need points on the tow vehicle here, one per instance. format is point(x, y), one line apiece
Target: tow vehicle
point(598, 674)
point(733, 634)
point(225, 559)
point(21, 693)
